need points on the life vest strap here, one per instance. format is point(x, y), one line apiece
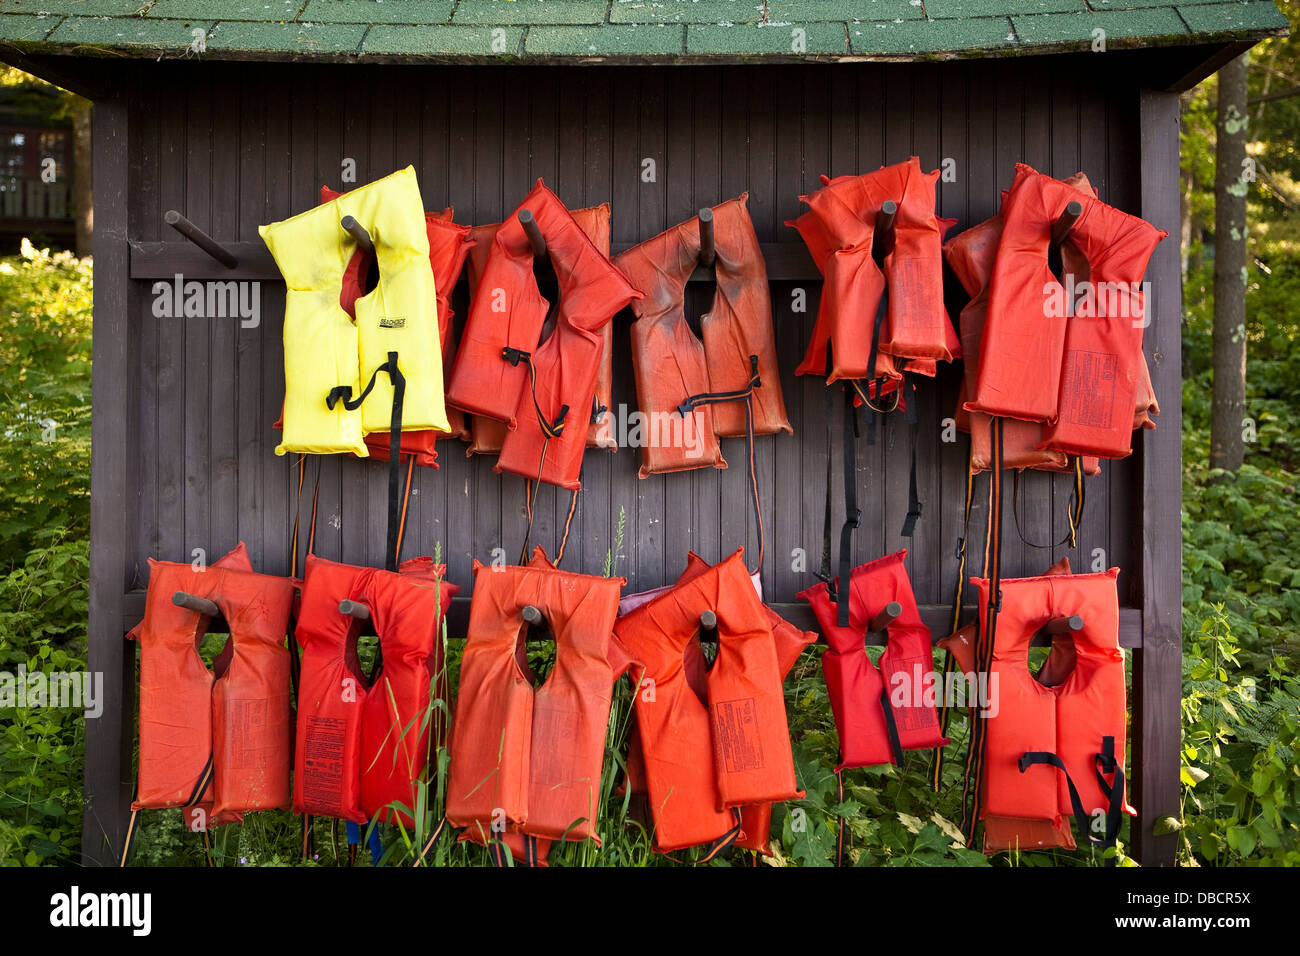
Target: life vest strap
point(550, 429)
point(1074, 516)
point(429, 843)
point(1104, 762)
point(714, 849)
point(196, 795)
point(949, 662)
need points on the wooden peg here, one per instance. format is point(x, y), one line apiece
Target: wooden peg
point(534, 233)
point(358, 232)
point(888, 614)
point(1064, 625)
point(882, 243)
point(1061, 228)
point(354, 609)
point(193, 602)
point(708, 252)
point(200, 238)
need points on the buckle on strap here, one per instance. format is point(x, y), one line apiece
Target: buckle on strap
point(514, 356)
point(855, 519)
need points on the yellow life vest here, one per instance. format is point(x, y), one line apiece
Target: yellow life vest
point(325, 352)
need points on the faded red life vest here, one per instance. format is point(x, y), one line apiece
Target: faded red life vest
point(879, 712)
point(218, 737)
point(839, 230)
point(501, 369)
point(1077, 374)
point(693, 391)
point(708, 755)
point(362, 744)
point(1055, 748)
point(789, 641)
point(449, 245)
point(488, 434)
point(526, 760)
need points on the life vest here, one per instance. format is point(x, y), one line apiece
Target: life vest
point(363, 743)
point(527, 759)
point(449, 246)
point(709, 754)
point(1055, 747)
point(1043, 359)
point(839, 230)
point(334, 394)
point(789, 641)
point(971, 256)
point(879, 711)
point(489, 434)
point(503, 372)
point(692, 392)
point(218, 738)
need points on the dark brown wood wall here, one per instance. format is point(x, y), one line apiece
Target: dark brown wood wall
point(234, 148)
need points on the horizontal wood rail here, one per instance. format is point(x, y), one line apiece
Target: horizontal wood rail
point(935, 617)
point(786, 262)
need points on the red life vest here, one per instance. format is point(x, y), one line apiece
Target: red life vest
point(503, 372)
point(839, 230)
point(526, 760)
point(1077, 373)
point(1055, 747)
point(220, 736)
point(361, 745)
point(756, 819)
point(682, 383)
point(707, 754)
point(489, 434)
point(879, 712)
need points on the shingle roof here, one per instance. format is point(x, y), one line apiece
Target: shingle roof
point(620, 30)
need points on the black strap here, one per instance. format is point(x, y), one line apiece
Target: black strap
point(716, 398)
point(852, 513)
point(913, 499)
point(839, 829)
point(1103, 762)
point(1075, 515)
point(715, 848)
point(394, 445)
point(891, 725)
point(954, 618)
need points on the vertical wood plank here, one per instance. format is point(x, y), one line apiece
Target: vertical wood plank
point(224, 334)
point(108, 739)
point(1157, 674)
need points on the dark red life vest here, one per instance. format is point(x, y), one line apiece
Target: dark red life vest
point(503, 372)
point(1077, 373)
point(361, 745)
point(526, 760)
point(707, 755)
point(879, 711)
point(220, 736)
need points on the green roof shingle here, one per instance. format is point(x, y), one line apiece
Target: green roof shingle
point(621, 30)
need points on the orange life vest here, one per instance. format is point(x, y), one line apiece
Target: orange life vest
point(692, 392)
point(790, 641)
point(218, 738)
point(879, 711)
point(526, 760)
point(362, 743)
point(1055, 747)
point(706, 755)
point(488, 434)
point(839, 230)
point(1042, 357)
point(503, 372)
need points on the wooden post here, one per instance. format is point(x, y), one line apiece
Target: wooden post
point(107, 794)
point(1157, 667)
